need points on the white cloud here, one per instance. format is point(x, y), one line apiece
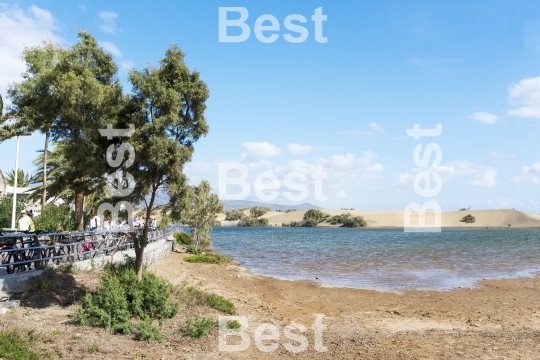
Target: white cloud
point(478, 175)
point(110, 47)
point(500, 155)
point(342, 194)
point(108, 21)
point(297, 149)
point(127, 65)
point(256, 151)
point(484, 117)
point(525, 97)
point(19, 28)
point(374, 129)
point(529, 175)
point(485, 178)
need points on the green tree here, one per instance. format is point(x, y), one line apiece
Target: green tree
point(23, 180)
point(313, 217)
point(468, 219)
point(347, 220)
point(167, 109)
point(34, 103)
point(257, 211)
point(235, 214)
point(6, 206)
point(203, 208)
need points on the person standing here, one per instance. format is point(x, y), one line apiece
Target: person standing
point(25, 222)
point(93, 223)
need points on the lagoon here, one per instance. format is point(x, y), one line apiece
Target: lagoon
point(382, 259)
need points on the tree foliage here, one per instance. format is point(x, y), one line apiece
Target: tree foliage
point(235, 214)
point(468, 219)
point(6, 206)
point(23, 179)
point(167, 109)
point(70, 94)
point(258, 211)
point(53, 218)
point(347, 220)
point(202, 210)
point(313, 217)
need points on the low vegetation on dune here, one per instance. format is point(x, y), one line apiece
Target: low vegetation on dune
point(468, 219)
point(347, 220)
point(312, 218)
point(253, 220)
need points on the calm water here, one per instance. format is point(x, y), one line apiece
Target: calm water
point(382, 259)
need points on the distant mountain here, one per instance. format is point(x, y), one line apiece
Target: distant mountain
point(244, 204)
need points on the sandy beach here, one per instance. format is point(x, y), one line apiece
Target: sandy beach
point(498, 320)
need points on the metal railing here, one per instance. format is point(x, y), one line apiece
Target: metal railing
point(26, 251)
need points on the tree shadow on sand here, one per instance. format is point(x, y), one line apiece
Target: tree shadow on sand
point(52, 287)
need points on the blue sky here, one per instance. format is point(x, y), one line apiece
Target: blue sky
point(471, 66)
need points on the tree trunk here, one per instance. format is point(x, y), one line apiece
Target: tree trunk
point(45, 151)
point(139, 248)
point(79, 211)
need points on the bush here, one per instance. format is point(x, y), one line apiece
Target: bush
point(469, 219)
point(198, 327)
point(313, 217)
point(347, 220)
point(208, 258)
point(233, 325)
point(182, 238)
point(145, 330)
point(6, 204)
point(121, 297)
point(234, 215)
point(193, 249)
point(258, 211)
point(14, 346)
point(253, 222)
point(194, 296)
point(53, 217)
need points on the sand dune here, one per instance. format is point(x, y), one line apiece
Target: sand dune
point(394, 218)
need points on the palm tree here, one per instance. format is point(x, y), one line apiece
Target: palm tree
point(57, 186)
point(23, 180)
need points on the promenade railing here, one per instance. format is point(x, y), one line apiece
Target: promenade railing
point(29, 251)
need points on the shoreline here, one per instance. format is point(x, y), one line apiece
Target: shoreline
point(500, 314)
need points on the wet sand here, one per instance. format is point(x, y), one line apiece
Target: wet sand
point(498, 320)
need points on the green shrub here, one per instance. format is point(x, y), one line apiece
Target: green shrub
point(233, 325)
point(6, 204)
point(145, 330)
point(347, 220)
point(198, 327)
point(253, 222)
point(193, 296)
point(14, 346)
point(193, 249)
point(258, 211)
point(313, 217)
point(121, 297)
point(53, 217)
point(182, 238)
point(208, 258)
point(234, 215)
point(469, 219)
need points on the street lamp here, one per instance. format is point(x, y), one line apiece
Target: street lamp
point(15, 180)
